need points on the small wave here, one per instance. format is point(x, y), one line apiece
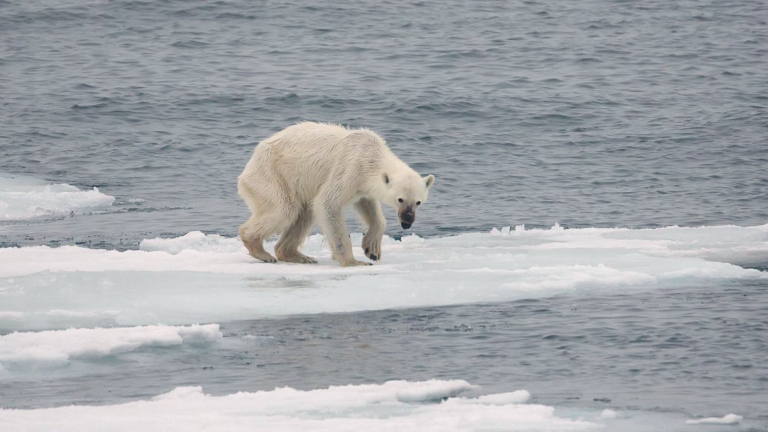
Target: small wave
point(234, 16)
point(86, 107)
point(189, 44)
point(589, 60)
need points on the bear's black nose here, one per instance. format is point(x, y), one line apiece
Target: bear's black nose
point(405, 225)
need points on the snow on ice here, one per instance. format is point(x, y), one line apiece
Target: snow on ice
point(395, 405)
point(22, 350)
point(209, 278)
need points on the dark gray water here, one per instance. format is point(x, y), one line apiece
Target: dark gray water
point(692, 351)
point(589, 113)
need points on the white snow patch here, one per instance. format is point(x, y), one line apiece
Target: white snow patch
point(208, 278)
point(727, 419)
point(24, 198)
point(368, 408)
point(194, 240)
point(746, 246)
point(56, 348)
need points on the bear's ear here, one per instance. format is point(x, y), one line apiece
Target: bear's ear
point(429, 180)
point(385, 179)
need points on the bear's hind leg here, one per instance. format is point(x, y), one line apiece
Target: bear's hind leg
point(271, 220)
point(287, 248)
point(252, 234)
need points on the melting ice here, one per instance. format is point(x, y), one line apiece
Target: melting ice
point(170, 285)
point(24, 350)
point(395, 405)
point(201, 278)
point(24, 198)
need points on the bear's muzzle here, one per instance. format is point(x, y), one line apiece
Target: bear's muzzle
point(407, 217)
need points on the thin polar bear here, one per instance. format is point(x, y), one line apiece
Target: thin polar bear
point(310, 172)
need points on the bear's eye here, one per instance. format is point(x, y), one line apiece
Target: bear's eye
point(418, 202)
point(399, 200)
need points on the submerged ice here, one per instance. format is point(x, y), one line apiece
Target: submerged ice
point(24, 198)
point(207, 278)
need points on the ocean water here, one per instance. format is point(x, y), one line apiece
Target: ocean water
point(588, 125)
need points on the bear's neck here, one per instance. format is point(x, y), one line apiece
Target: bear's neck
point(392, 164)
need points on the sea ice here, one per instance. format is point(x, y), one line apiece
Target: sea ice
point(208, 278)
point(26, 198)
point(727, 419)
point(342, 408)
point(56, 348)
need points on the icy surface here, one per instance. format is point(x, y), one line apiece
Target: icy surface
point(727, 419)
point(56, 348)
point(394, 405)
point(208, 278)
point(24, 198)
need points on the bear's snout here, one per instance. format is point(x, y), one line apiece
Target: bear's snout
point(407, 217)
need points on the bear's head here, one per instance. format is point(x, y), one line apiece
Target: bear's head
point(405, 193)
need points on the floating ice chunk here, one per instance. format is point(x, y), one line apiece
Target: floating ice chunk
point(608, 414)
point(727, 419)
point(54, 348)
point(371, 408)
point(26, 198)
point(218, 280)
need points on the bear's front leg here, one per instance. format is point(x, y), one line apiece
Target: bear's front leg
point(369, 210)
point(330, 217)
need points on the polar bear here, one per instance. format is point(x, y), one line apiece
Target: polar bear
point(310, 172)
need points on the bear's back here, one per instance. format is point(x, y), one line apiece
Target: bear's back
point(304, 155)
point(322, 144)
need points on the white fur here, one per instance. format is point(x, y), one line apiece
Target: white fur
point(309, 173)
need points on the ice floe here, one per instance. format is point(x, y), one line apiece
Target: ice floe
point(395, 405)
point(209, 278)
point(24, 198)
point(55, 348)
point(727, 419)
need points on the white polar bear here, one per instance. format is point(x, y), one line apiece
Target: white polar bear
point(312, 171)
